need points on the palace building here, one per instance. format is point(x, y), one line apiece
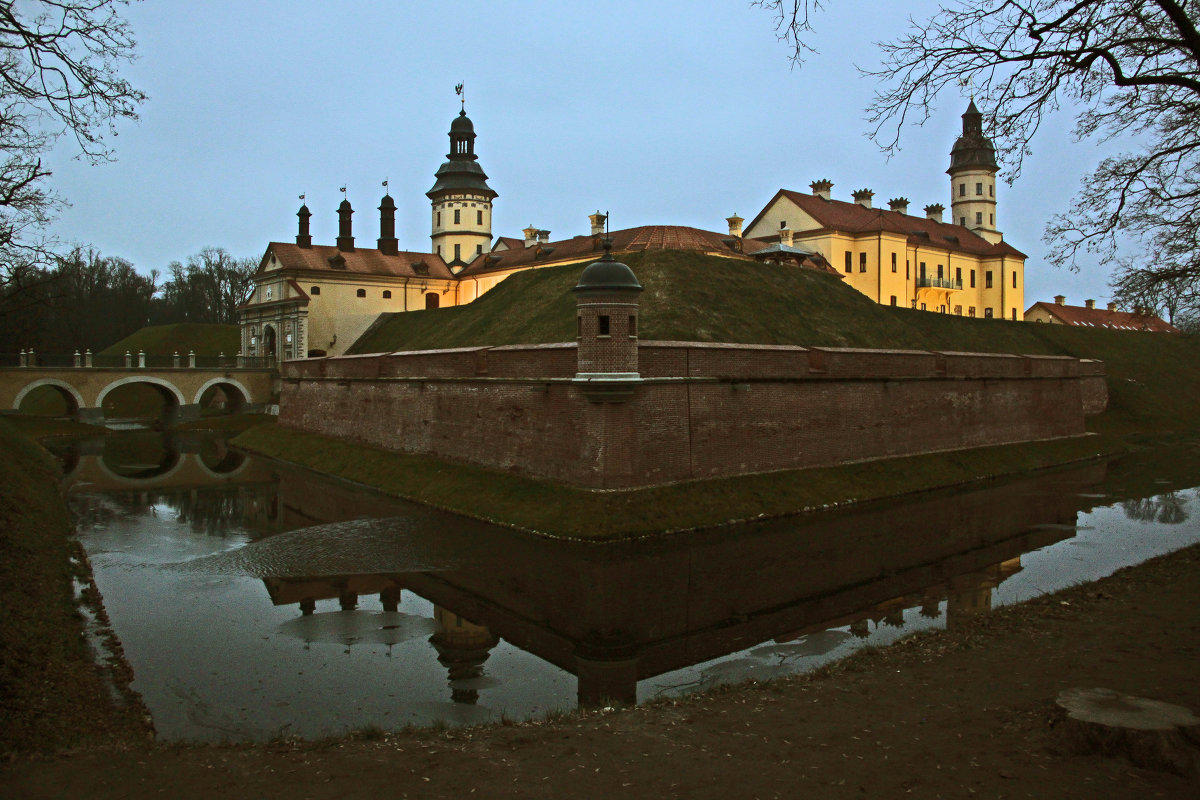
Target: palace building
point(316, 300)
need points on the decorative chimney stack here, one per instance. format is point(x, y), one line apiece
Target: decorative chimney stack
point(1060, 299)
point(1089, 303)
point(785, 237)
point(863, 197)
point(822, 188)
point(606, 307)
point(303, 237)
point(735, 226)
point(543, 237)
point(934, 211)
point(899, 205)
point(345, 239)
point(388, 244)
point(530, 236)
point(1112, 306)
point(597, 221)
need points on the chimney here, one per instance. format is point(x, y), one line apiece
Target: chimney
point(934, 212)
point(1089, 303)
point(899, 205)
point(863, 197)
point(388, 245)
point(530, 236)
point(1060, 299)
point(735, 225)
point(1112, 306)
point(785, 236)
point(345, 239)
point(303, 237)
point(822, 188)
point(598, 221)
point(543, 236)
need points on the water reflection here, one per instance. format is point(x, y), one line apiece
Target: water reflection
point(297, 568)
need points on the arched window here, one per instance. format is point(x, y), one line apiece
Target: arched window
point(362, 292)
point(387, 294)
point(314, 290)
point(431, 300)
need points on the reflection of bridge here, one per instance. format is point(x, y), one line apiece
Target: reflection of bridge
point(171, 464)
point(85, 388)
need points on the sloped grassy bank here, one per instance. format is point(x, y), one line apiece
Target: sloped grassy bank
point(562, 511)
point(54, 695)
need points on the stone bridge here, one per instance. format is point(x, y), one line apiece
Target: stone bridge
point(246, 390)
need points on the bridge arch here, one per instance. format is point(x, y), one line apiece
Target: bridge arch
point(169, 388)
point(224, 382)
point(64, 388)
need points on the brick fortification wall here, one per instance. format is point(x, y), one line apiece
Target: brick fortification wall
point(701, 411)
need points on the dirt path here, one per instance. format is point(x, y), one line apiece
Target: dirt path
point(962, 714)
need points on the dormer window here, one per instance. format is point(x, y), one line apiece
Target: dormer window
point(268, 292)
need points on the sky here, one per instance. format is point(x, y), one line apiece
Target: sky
point(658, 112)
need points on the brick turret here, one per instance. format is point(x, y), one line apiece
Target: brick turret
point(606, 303)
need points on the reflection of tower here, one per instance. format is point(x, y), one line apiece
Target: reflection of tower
point(462, 647)
point(971, 593)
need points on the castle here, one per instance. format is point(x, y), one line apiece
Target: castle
point(316, 300)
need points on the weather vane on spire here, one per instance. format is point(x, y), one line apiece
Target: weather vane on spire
point(462, 96)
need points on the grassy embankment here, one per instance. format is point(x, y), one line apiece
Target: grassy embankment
point(54, 694)
point(1153, 380)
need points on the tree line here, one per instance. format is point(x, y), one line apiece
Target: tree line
point(88, 300)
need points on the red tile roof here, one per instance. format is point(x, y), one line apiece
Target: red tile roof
point(360, 261)
point(1102, 318)
point(839, 215)
point(646, 237)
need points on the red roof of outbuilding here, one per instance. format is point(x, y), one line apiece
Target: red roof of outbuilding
point(1081, 316)
point(646, 237)
point(360, 261)
point(839, 215)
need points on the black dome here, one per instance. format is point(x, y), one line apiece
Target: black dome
point(608, 274)
point(462, 124)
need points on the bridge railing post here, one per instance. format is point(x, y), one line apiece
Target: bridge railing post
point(191, 359)
point(128, 359)
point(175, 360)
point(78, 359)
point(87, 358)
point(23, 360)
point(241, 360)
point(221, 359)
point(141, 359)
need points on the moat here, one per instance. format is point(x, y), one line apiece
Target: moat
point(208, 559)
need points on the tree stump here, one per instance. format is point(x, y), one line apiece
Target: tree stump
point(1149, 733)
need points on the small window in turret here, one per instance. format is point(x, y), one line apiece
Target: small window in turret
point(456, 217)
point(962, 190)
point(362, 293)
point(632, 326)
point(478, 217)
point(579, 327)
point(979, 189)
point(387, 294)
point(602, 325)
point(991, 190)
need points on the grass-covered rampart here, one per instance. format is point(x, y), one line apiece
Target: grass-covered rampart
point(181, 337)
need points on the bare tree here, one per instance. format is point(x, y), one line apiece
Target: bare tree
point(59, 76)
point(1137, 284)
point(208, 288)
point(1127, 68)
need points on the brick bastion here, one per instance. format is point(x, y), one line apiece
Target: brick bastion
point(689, 410)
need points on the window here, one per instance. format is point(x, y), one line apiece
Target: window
point(849, 261)
point(941, 309)
point(1014, 315)
point(893, 266)
point(478, 249)
point(972, 281)
point(457, 250)
point(387, 294)
point(439, 249)
point(991, 219)
point(579, 327)
point(314, 290)
point(457, 219)
point(923, 307)
point(362, 293)
point(958, 310)
point(602, 325)
point(431, 300)
point(1014, 280)
point(893, 299)
point(978, 217)
point(971, 311)
point(862, 262)
point(987, 279)
point(921, 272)
point(962, 190)
point(991, 190)
point(268, 292)
point(439, 219)
point(987, 313)
point(478, 217)
point(979, 189)
point(962, 221)
point(939, 272)
point(632, 326)
point(958, 276)
point(907, 268)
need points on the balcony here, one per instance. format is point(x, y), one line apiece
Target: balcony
point(938, 283)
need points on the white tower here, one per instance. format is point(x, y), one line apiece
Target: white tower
point(461, 200)
point(973, 179)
